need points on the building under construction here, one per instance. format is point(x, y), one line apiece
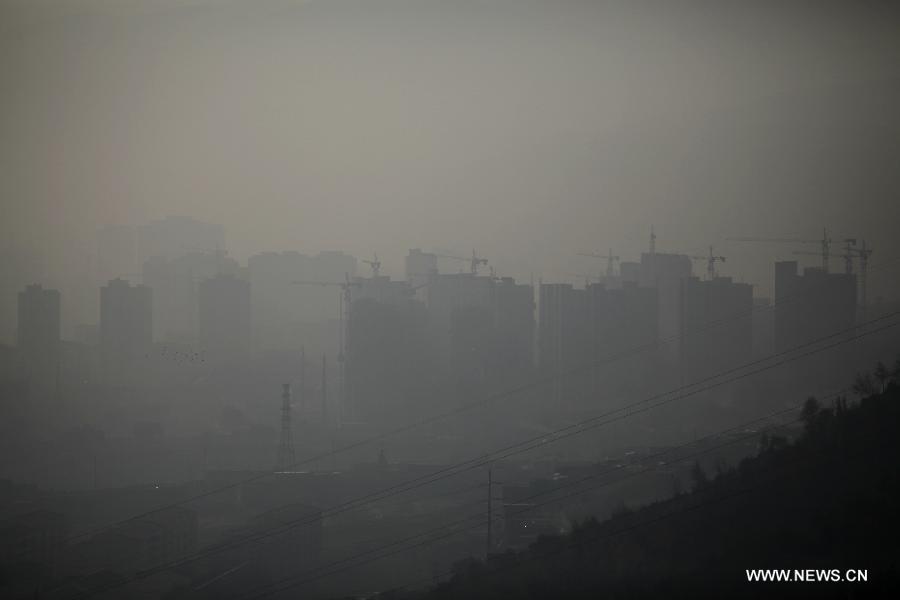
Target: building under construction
point(717, 326)
point(811, 306)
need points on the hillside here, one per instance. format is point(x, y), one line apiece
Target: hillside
point(825, 501)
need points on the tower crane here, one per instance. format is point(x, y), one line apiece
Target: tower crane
point(711, 261)
point(824, 243)
point(850, 252)
point(345, 303)
point(610, 259)
point(848, 255)
point(474, 262)
point(375, 264)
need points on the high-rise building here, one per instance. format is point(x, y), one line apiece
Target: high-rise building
point(717, 332)
point(382, 289)
point(386, 367)
point(174, 282)
point(811, 306)
point(38, 333)
point(623, 329)
point(224, 316)
point(514, 319)
point(446, 295)
point(126, 322)
point(564, 338)
point(665, 272)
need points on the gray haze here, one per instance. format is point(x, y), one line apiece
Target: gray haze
point(311, 298)
point(528, 130)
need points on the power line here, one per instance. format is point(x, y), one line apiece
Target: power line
point(606, 536)
point(541, 441)
point(466, 407)
point(481, 461)
point(648, 469)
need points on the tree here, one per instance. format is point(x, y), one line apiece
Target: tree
point(863, 385)
point(840, 406)
point(809, 412)
point(882, 374)
point(698, 475)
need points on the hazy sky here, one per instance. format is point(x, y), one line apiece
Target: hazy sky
point(529, 130)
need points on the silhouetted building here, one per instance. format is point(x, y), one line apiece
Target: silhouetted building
point(665, 272)
point(514, 320)
point(38, 333)
point(387, 364)
point(623, 330)
point(174, 282)
point(224, 303)
point(382, 289)
point(126, 322)
point(811, 306)
point(564, 338)
point(491, 337)
point(20, 266)
point(718, 326)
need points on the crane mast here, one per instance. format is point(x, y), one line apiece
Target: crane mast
point(345, 304)
point(711, 261)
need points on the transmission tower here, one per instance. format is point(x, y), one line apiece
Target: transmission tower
point(286, 458)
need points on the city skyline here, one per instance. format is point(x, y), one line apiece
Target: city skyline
point(449, 299)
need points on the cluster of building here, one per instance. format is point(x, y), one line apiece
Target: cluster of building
point(391, 341)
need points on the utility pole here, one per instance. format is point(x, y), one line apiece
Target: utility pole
point(345, 305)
point(495, 539)
point(826, 249)
point(286, 457)
point(302, 380)
point(324, 391)
point(490, 514)
point(864, 253)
